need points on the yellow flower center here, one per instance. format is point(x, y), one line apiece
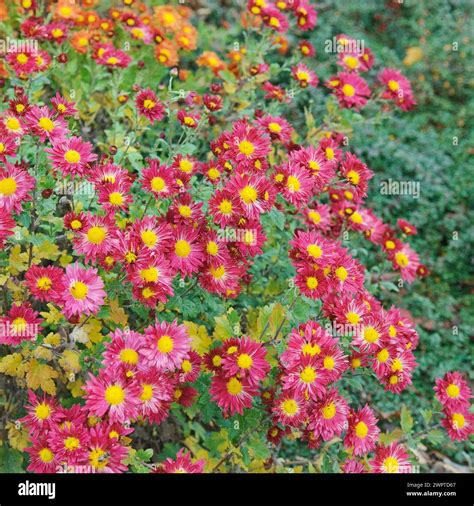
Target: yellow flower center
point(182, 248)
point(311, 282)
point(274, 127)
point(148, 104)
point(129, 356)
point(371, 335)
point(293, 184)
point(186, 366)
point(311, 349)
point(72, 156)
point(352, 317)
point(308, 374)
point(147, 392)
point(348, 90)
point(289, 406)
point(79, 290)
point(150, 275)
point(12, 124)
point(353, 177)
point(351, 61)
point(158, 184)
point(46, 455)
point(46, 124)
point(458, 420)
point(246, 148)
point(116, 199)
point(244, 361)
point(225, 207)
point(96, 235)
point(42, 411)
point(390, 465)
point(216, 361)
point(234, 386)
point(314, 216)
point(22, 58)
point(329, 363)
point(75, 224)
point(393, 85)
point(314, 250)
point(329, 411)
point(401, 259)
point(165, 344)
point(97, 459)
point(44, 283)
point(383, 356)
point(114, 394)
point(341, 273)
point(212, 248)
point(452, 391)
point(149, 238)
point(217, 272)
point(248, 194)
point(19, 324)
point(361, 430)
point(185, 211)
point(71, 443)
point(8, 186)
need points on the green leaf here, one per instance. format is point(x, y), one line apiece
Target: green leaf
point(435, 436)
point(10, 460)
point(406, 420)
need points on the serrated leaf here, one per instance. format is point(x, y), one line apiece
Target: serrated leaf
point(406, 420)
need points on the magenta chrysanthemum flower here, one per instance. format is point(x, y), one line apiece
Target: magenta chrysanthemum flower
point(290, 409)
point(155, 394)
point(247, 360)
point(43, 123)
point(104, 454)
point(452, 390)
point(15, 187)
point(186, 254)
point(42, 413)
point(42, 457)
point(149, 106)
point(7, 223)
point(84, 291)
point(391, 459)
point(45, 283)
point(363, 433)
point(109, 393)
point(459, 423)
point(124, 350)
point(182, 464)
point(232, 395)
point(71, 156)
point(20, 324)
point(329, 416)
point(167, 345)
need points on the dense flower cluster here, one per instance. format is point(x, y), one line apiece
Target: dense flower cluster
point(187, 222)
point(453, 392)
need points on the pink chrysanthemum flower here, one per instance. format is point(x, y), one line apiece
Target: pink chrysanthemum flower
point(248, 143)
point(352, 466)
point(452, 390)
point(222, 277)
point(233, 394)
point(42, 457)
point(397, 88)
point(71, 156)
point(167, 345)
point(247, 360)
point(12, 125)
point(304, 75)
point(158, 179)
point(8, 145)
point(153, 271)
point(290, 409)
point(124, 350)
point(62, 106)
point(69, 443)
point(313, 161)
point(312, 283)
point(113, 58)
point(186, 253)
point(370, 334)
point(104, 454)
point(458, 423)
point(297, 184)
point(42, 412)
point(15, 187)
point(351, 90)
point(307, 378)
point(96, 239)
point(190, 368)
point(45, 283)
point(363, 433)
point(20, 324)
point(108, 393)
point(155, 394)
point(407, 261)
point(328, 418)
point(43, 123)
point(152, 235)
point(391, 459)
point(115, 197)
point(84, 293)
point(182, 464)
point(356, 173)
point(149, 106)
point(277, 127)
